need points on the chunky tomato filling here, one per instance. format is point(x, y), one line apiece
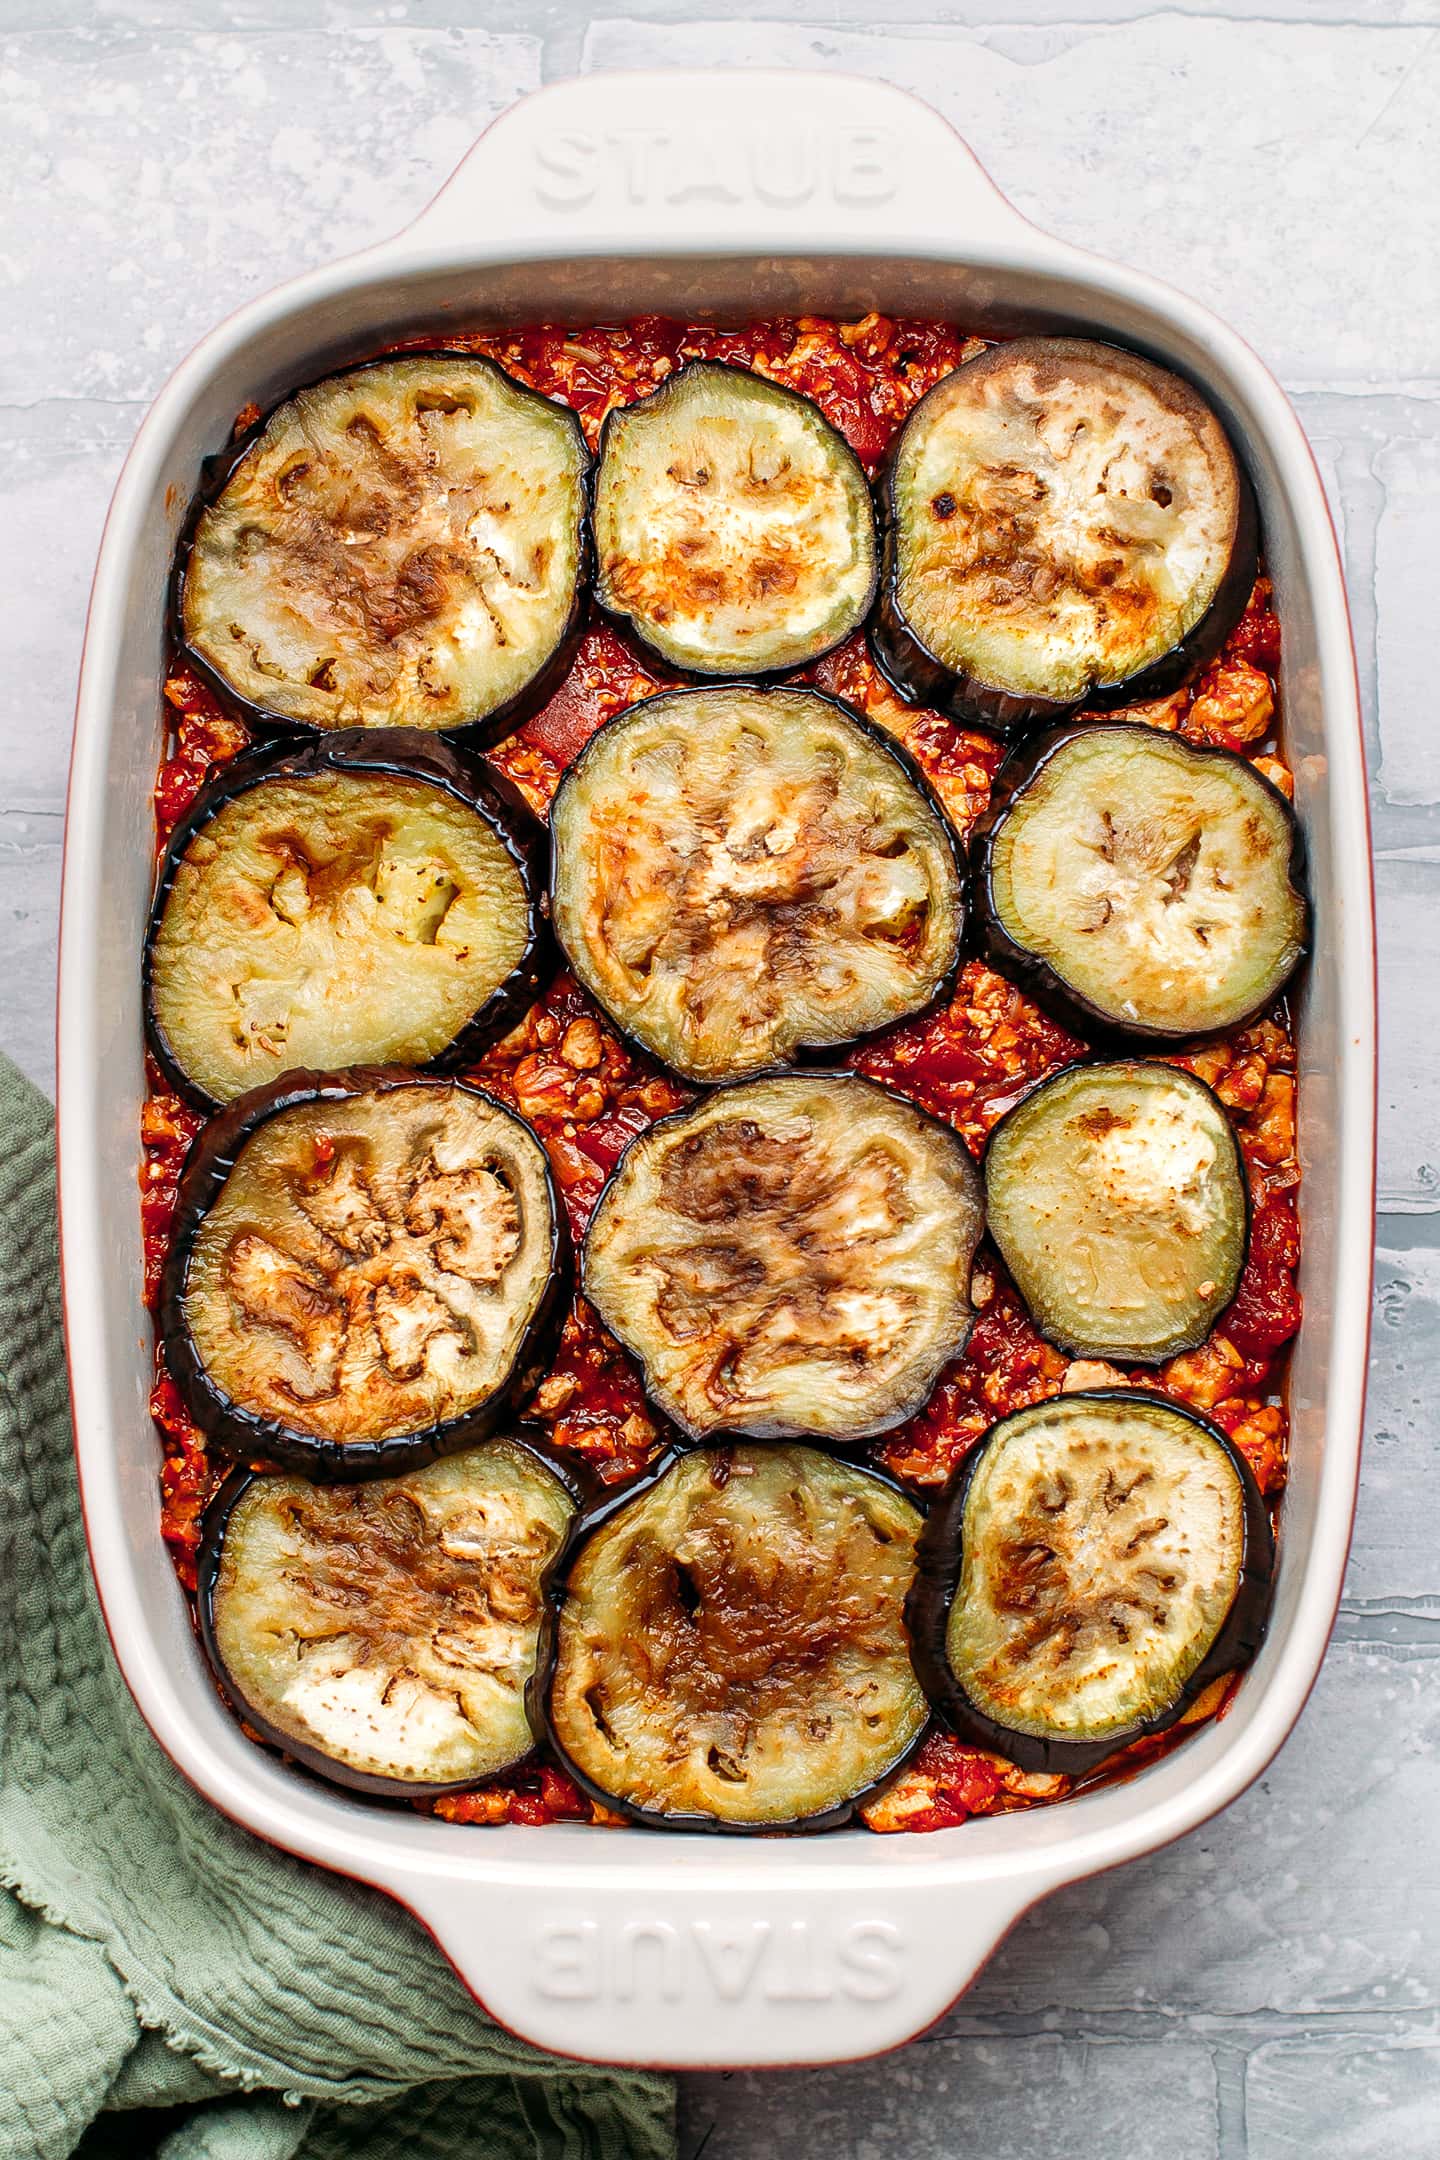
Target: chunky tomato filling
point(587, 1094)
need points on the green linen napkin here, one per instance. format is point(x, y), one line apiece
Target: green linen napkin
point(169, 1986)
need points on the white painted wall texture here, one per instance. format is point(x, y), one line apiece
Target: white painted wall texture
point(1270, 1988)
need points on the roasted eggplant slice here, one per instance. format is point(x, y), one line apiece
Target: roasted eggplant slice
point(1139, 882)
point(384, 1635)
point(1117, 1197)
point(368, 898)
point(1063, 521)
point(733, 527)
point(1099, 1560)
point(728, 1652)
point(364, 1271)
point(402, 545)
point(744, 874)
point(791, 1258)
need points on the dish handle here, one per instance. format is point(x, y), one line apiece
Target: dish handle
point(696, 1966)
point(728, 159)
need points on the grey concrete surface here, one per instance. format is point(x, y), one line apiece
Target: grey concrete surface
point(1271, 1987)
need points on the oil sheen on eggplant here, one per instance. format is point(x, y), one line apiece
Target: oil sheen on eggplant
point(1116, 1195)
point(1063, 520)
point(384, 1635)
point(742, 874)
point(364, 1269)
point(372, 897)
point(733, 526)
point(402, 545)
point(1099, 1560)
point(728, 1650)
point(1140, 882)
point(790, 1258)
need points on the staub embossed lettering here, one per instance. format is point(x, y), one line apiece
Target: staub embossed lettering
point(854, 167)
point(716, 1961)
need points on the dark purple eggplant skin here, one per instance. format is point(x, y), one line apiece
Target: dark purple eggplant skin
point(213, 1526)
point(410, 754)
point(807, 1056)
point(927, 1611)
point(1034, 975)
point(916, 675)
point(215, 471)
point(847, 1450)
point(538, 1687)
point(1064, 1073)
point(629, 629)
point(241, 1432)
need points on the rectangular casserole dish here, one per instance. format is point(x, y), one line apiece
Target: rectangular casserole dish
point(783, 193)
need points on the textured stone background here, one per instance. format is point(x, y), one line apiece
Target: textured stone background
point(1271, 1987)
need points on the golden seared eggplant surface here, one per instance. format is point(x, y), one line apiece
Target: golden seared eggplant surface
point(792, 1258)
point(1104, 1542)
point(401, 546)
point(740, 873)
point(733, 525)
point(730, 1645)
point(371, 1265)
point(1065, 515)
point(391, 1628)
point(331, 920)
point(1153, 878)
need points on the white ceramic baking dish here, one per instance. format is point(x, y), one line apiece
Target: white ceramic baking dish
point(732, 194)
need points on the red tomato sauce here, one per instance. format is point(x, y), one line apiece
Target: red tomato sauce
point(587, 1093)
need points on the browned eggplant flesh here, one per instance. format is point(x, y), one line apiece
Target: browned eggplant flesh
point(370, 898)
point(734, 533)
point(1063, 518)
point(728, 1647)
point(791, 1258)
point(1146, 884)
point(744, 874)
point(384, 1634)
point(402, 545)
point(1101, 1559)
point(359, 1270)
